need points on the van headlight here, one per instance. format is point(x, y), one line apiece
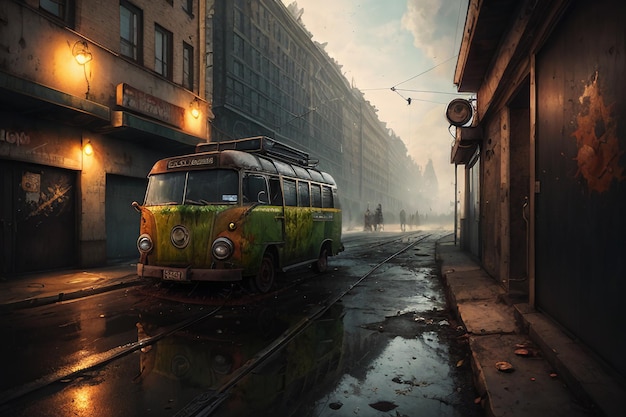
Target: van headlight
point(222, 248)
point(144, 243)
point(179, 236)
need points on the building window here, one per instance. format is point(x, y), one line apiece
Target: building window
point(238, 69)
point(56, 8)
point(163, 52)
point(239, 20)
point(238, 46)
point(61, 9)
point(187, 66)
point(130, 31)
point(188, 7)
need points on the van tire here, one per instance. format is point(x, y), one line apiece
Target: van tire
point(264, 279)
point(321, 265)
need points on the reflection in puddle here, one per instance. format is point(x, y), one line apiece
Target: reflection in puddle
point(408, 376)
point(184, 370)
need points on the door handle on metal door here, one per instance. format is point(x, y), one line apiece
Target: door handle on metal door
point(525, 210)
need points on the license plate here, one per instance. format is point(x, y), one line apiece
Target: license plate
point(174, 275)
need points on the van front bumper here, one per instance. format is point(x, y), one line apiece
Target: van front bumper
point(189, 274)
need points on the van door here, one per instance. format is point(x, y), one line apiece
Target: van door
point(291, 249)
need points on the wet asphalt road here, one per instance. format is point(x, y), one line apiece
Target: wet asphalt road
point(318, 346)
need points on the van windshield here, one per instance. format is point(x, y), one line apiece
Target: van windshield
point(216, 186)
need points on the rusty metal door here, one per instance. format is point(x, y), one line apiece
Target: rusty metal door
point(38, 213)
point(580, 208)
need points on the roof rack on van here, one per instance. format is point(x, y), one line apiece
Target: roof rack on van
point(264, 146)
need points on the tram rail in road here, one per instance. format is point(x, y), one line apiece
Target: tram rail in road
point(206, 403)
point(98, 360)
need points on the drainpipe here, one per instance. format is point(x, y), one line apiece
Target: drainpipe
point(534, 185)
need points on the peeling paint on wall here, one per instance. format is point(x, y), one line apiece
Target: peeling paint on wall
point(596, 137)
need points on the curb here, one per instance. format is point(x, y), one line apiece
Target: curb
point(85, 292)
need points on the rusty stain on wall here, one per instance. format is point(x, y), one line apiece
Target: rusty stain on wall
point(596, 137)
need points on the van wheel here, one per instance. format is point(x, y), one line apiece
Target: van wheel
point(264, 280)
point(321, 265)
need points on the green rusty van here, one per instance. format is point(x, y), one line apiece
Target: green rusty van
point(237, 211)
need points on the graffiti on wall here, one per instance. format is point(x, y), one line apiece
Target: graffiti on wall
point(596, 137)
point(14, 138)
point(53, 199)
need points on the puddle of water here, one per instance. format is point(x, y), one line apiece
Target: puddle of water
point(412, 374)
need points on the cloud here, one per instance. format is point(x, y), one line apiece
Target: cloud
point(433, 24)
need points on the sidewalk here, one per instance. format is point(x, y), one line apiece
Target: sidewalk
point(553, 376)
point(50, 287)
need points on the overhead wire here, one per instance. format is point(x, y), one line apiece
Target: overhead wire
point(425, 91)
point(424, 72)
point(409, 99)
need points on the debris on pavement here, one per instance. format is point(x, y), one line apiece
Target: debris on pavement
point(503, 366)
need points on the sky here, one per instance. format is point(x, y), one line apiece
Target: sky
point(408, 45)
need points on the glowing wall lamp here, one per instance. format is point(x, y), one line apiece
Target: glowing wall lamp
point(195, 108)
point(88, 149)
point(81, 53)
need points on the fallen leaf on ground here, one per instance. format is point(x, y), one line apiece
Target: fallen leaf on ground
point(504, 367)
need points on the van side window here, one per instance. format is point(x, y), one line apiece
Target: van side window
point(304, 199)
point(289, 189)
point(254, 189)
point(327, 197)
point(276, 193)
point(316, 195)
point(336, 201)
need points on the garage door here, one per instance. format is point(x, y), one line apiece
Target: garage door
point(122, 221)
